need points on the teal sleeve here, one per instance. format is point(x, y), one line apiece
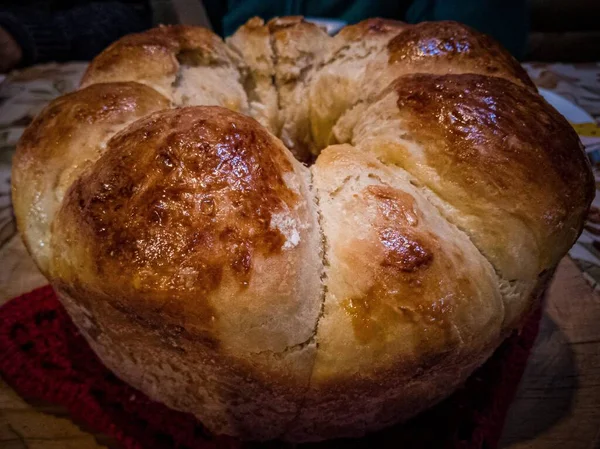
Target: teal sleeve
point(505, 20)
point(349, 11)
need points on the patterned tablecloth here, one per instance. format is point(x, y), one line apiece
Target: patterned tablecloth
point(580, 84)
point(23, 94)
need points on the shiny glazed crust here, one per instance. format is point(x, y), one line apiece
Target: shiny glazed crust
point(212, 270)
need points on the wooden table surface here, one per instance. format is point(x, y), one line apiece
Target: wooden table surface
point(557, 406)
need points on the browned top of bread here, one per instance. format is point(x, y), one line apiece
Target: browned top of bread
point(154, 51)
point(182, 190)
point(493, 133)
point(189, 65)
point(454, 48)
point(186, 209)
point(61, 143)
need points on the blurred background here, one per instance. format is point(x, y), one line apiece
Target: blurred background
point(33, 32)
point(563, 30)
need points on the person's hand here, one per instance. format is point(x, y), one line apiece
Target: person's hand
point(10, 51)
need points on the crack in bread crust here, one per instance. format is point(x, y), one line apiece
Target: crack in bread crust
point(323, 280)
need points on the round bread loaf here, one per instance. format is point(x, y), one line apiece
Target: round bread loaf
point(212, 270)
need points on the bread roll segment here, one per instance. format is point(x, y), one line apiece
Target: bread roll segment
point(189, 65)
point(509, 166)
point(63, 140)
point(212, 270)
point(442, 48)
point(411, 305)
point(253, 42)
point(197, 229)
point(201, 215)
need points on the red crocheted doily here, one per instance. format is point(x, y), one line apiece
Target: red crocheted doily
point(43, 357)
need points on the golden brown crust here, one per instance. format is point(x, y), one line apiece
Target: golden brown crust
point(154, 65)
point(151, 55)
point(503, 165)
point(439, 48)
point(183, 217)
point(189, 65)
point(155, 205)
point(504, 147)
point(65, 138)
point(211, 270)
point(417, 271)
point(451, 47)
point(405, 260)
point(194, 237)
